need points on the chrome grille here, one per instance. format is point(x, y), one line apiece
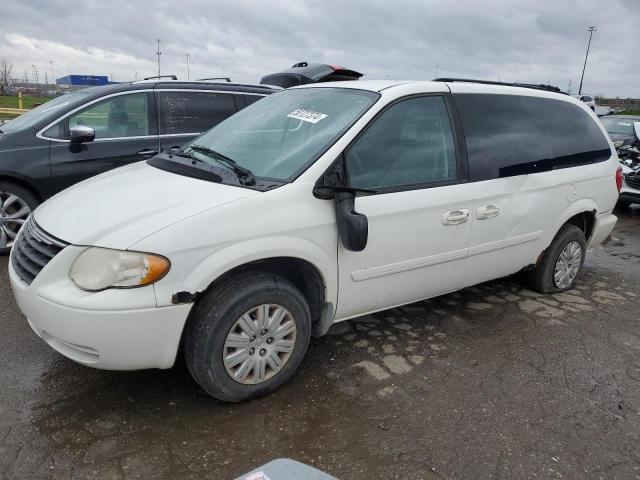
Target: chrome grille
point(633, 180)
point(33, 250)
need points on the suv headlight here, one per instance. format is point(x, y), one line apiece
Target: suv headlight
point(97, 269)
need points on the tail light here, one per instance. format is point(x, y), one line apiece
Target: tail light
point(619, 179)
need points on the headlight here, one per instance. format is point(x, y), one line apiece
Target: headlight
point(97, 269)
point(618, 143)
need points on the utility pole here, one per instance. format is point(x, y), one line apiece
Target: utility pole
point(569, 89)
point(590, 30)
point(33, 74)
point(53, 80)
point(188, 74)
point(158, 52)
point(436, 70)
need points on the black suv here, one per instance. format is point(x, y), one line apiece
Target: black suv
point(81, 134)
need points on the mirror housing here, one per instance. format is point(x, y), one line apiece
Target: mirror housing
point(79, 134)
point(636, 129)
point(353, 227)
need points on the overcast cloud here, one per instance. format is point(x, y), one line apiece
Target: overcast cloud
point(527, 40)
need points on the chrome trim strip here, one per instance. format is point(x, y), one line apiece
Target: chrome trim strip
point(83, 106)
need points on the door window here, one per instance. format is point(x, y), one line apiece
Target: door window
point(193, 112)
point(411, 143)
point(116, 117)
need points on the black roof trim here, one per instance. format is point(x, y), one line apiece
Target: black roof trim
point(541, 86)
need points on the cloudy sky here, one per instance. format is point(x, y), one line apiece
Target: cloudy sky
point(512, 40)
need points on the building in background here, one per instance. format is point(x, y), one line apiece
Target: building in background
point(73, 82)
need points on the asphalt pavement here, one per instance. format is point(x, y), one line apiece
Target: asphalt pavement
point(494, 381)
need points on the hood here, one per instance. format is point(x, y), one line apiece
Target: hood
point(120, 207)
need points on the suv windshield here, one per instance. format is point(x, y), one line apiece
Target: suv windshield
point(32, 117)
point(279, 136)
point(618, 125)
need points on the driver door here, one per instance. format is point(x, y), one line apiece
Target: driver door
point(418, 219)
point(126, 132)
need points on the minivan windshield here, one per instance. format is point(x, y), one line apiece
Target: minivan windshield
point(618, 125)
point(32, 117)
point(281, 135)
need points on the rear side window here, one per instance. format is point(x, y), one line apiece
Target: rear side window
point(193, 112)
point(510, 135)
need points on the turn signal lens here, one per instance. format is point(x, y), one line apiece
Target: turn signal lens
point(97, 269)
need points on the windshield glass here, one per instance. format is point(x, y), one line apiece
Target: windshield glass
point(32, 117)
point(279, 136)
point(618, 125)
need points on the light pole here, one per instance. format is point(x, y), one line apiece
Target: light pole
point(53, 80)
point(158, 52)
point(188, 76)
point(591, 30)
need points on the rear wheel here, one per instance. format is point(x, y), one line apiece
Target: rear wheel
point(247, 337)
point(561, 263)
point(16, 204)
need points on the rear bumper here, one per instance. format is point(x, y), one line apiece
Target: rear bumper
point(602, 229)
point(113, 330)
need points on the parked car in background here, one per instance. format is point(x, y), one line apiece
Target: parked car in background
point(315, 205)
point(588, 99)
point(304, 73)
point(630, 158)
point(620, 129)
point(81, 134)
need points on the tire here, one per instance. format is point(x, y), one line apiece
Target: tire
point(541, 278)
point(217, 315)
point(26, 201)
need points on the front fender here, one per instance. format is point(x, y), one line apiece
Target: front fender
point(237, 254)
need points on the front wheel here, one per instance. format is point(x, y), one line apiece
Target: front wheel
point(247, 337)
point(16, 204)
point(561, 262)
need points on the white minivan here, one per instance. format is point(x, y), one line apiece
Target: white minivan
point(312, 206)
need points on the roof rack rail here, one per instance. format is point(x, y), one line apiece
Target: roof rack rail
point(541, 86)
point(226, 79)
point(172, 77)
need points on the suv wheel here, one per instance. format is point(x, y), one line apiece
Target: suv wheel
point(16, 204)
point(561, 263)
point(247, 337)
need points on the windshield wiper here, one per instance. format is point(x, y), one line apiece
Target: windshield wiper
point(245, 175)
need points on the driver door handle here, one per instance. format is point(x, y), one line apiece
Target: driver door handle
point(147, 152)
point(455, 217)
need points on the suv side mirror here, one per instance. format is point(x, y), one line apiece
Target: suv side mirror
point(636, 129)
point(79, 134)
point(353, 227)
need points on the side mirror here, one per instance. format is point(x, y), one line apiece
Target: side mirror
point(353, 227)
point(636, 129)
point(79, 134)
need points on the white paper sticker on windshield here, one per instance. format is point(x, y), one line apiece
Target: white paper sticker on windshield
point(625, 124)
point(307, 115)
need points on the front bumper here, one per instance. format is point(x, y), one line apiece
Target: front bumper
point(117, 329)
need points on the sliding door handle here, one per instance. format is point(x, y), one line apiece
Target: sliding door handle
point(487, 211)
